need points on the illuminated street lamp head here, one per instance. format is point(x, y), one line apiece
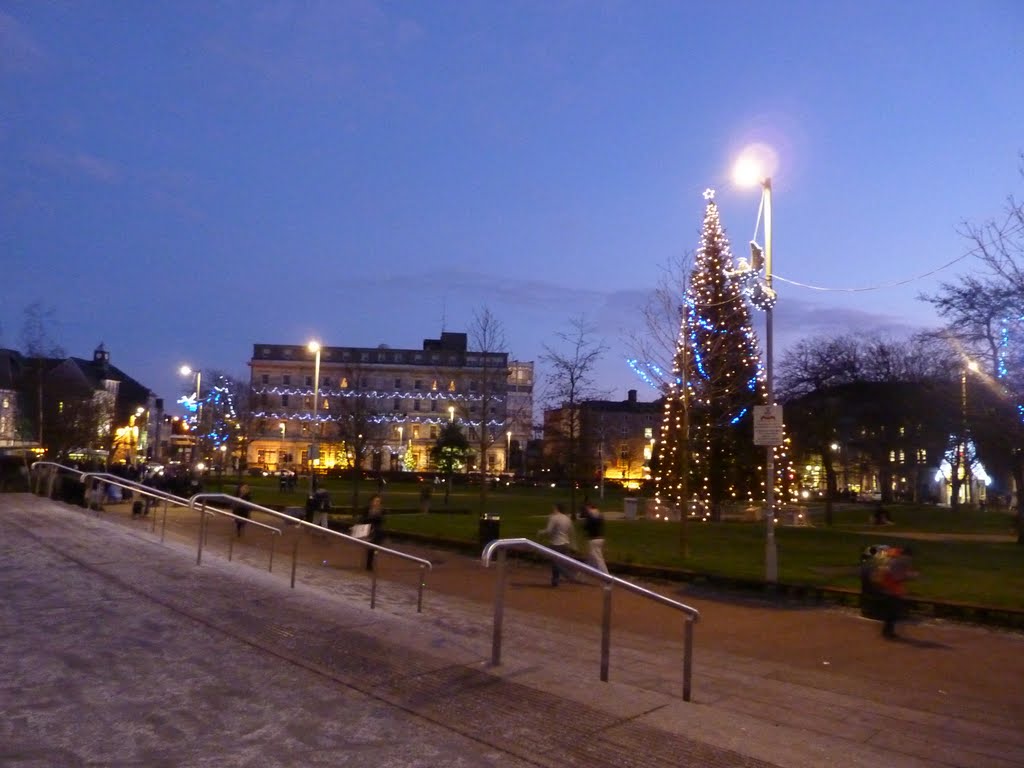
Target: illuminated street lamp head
point(185, 370)
point(313, 346)
point(973, 366)
point(754, 166)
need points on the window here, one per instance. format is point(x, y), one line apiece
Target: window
point(286, 379)
point(309, 381)
point(473, 385)
point(418, 384)
point(344, 382)
point(398, 383)
point(648, 433)
point(416, 431)
point(433, 406)
point(433, 432)
point(396, 404)
point(451, 385)
point(325, 381)
point(415, 405)
point(265, 378)
point(284, 400)
point(263, 400)
point(307, 402)
point(922, 456)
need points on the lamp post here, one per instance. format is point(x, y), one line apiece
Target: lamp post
point(451, 413)
point(401, 447)
point(187, 371)
point(508, 449)
point(962, 461)
point(750, 169)
point(314, 347)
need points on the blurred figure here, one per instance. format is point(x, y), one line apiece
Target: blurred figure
point(559, 536)
point(244, 493)
point(593, 528)
point(374, 517)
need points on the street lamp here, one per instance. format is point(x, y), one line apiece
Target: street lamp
point(508, 449)
point(314, 347)
point(187, 371)
point(962, 448)
point(753, 168)
point(451, 413)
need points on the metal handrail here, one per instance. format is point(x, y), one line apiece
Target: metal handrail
point(424, 564)
point(608, 581)
point(159, 493)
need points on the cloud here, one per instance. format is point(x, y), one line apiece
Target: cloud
point(19, 52)
point(320, 45)
point(81, 164)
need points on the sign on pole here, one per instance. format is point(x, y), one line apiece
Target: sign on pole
point(767, 425)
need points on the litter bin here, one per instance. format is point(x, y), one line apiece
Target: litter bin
point(629, 507)
point(490, 529)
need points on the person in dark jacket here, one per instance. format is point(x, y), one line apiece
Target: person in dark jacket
point(593, 528)
point(242, 510)
point(374, 517)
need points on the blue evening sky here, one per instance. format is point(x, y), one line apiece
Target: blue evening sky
point(181, 180)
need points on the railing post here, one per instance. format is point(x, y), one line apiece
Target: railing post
point(687, 658)
point(295, 557)
point(163, 523)
point(606, 632)
point(499, 608)
point(419, 597)
point(231, 547)
point(373, 580)
point(273, 541)
point(202, 533)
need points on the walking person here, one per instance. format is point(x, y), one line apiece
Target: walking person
point(559, 536)
point(242, 510)
point(892, 583)
point(374, 517)
point(593, 528)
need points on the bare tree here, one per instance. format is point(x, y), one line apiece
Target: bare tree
point(655, 346)
point(570, 382)
point(38, 345)
point(984, 314)
point(487, 338)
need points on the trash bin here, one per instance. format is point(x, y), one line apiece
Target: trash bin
point(629, 507)
point(490, 529)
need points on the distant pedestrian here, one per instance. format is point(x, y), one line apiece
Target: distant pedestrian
point(243, 493)
point(559, 536)
point(893, 573)
point(593, 528)
point(374, 517)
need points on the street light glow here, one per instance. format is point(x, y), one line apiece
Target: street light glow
point(185, 370)
point(756, 163)
point(313, 346)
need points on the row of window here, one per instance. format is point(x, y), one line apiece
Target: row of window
point(398, 356)
point(397, 404)
point(364, 382)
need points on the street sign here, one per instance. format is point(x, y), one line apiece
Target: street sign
point(767, 425)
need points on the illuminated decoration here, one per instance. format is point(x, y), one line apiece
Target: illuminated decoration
point(649, 373)
point(706, 456)
point(370, 394)
point(219, 413)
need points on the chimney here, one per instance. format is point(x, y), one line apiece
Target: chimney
point(631, 396)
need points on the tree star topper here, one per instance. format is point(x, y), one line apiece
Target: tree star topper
point(709, 194)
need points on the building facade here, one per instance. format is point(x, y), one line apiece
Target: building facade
point(383, 408)
point(615, 439)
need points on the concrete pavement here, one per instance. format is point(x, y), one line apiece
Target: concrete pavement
point(119, 650)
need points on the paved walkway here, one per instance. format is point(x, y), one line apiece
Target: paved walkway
point(119, 650)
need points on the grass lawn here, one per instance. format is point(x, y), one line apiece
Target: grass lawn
point(970, 571)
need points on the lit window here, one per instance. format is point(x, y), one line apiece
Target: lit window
point(451, 385)
point(344, 382)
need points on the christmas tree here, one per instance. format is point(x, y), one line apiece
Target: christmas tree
point(706, 452)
